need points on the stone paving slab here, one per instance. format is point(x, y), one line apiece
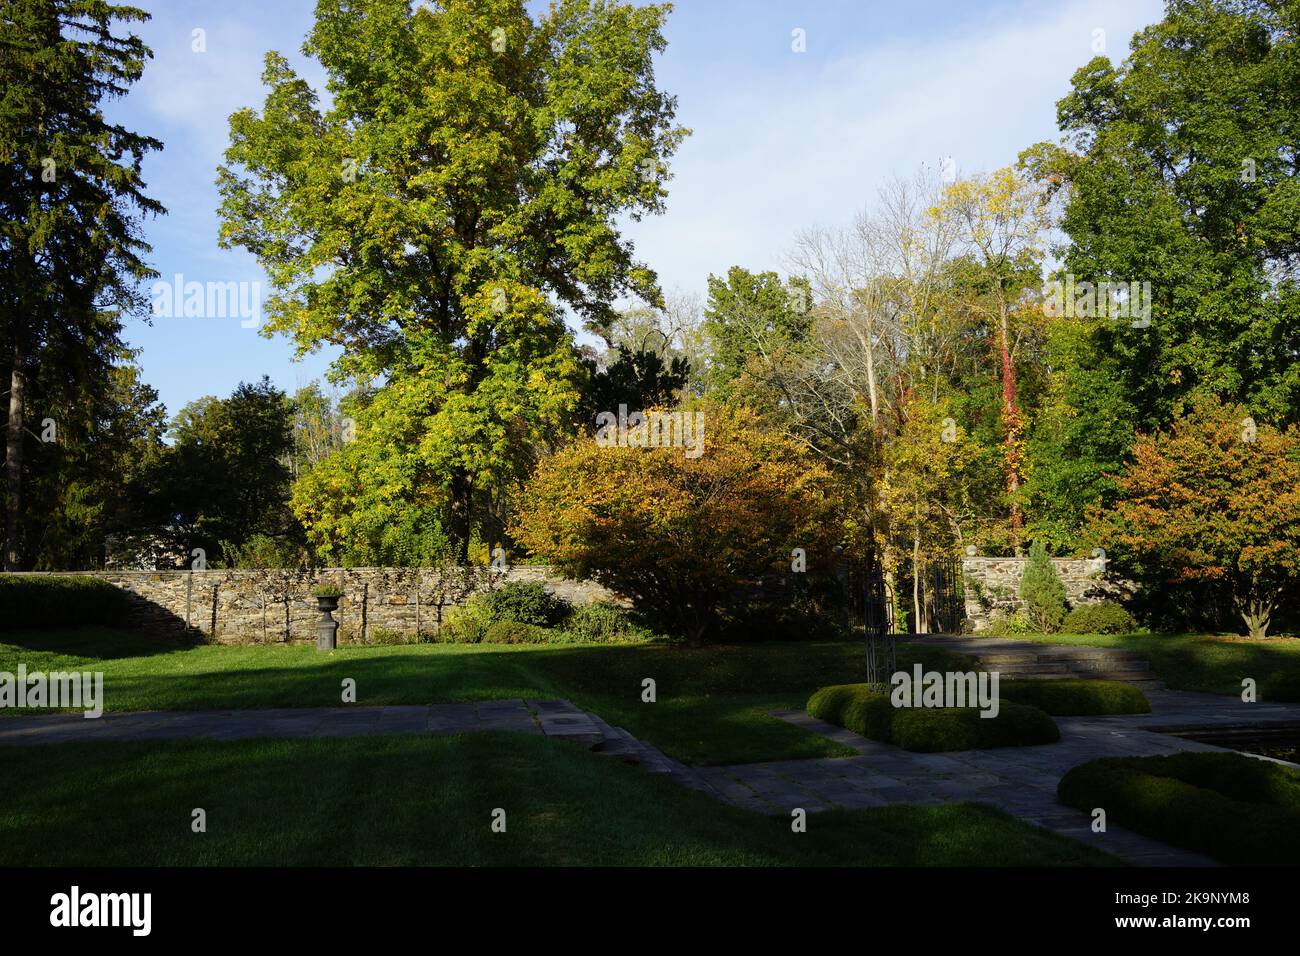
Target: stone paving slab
point(278, 722)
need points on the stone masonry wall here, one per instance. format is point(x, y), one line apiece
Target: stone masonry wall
point(274, 606)
point(993, 584)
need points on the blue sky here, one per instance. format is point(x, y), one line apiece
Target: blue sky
point(783, 140)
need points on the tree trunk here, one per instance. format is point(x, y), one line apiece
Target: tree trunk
point(1257, 613)
point(14, 461)
point(462, 495)
point(918, 626)
point(1011, 424)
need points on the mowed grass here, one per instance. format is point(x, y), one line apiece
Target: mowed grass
point(1210, 663)
point(711, 704)
point(416, 799)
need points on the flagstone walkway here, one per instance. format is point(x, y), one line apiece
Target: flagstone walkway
point(1019, 780)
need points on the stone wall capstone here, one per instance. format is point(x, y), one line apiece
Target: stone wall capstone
point(993, 584)
point(278, 606)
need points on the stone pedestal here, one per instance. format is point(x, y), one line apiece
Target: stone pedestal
point(327, 629)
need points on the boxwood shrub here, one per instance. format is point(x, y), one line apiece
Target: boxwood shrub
point(1076, 698)
point(928, 730)
point(1234, 808)
point(1104, 617)
point(527, 602)
point(41, 601)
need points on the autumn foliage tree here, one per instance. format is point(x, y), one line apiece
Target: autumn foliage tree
point(680, 535)
point(1213, 503)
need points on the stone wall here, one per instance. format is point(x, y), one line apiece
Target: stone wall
point(993, 584)
point(272, 606)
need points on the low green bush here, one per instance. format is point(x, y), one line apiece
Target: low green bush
point(1076, 698)
point(930, 729)
point(519, 632)
point(42, 602)
point(527, 602)
point(1104, 617)
point(1234, 808)
point(466, 624)
point(604, 624)
point(1003, 624)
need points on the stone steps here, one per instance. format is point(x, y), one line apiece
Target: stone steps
point(618, 743)
point(1020, 659)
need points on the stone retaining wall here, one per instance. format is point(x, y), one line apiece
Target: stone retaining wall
point(993, 584)
point(273, 606)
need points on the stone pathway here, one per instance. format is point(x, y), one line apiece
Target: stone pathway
point(555, 719)
point(1019, 780)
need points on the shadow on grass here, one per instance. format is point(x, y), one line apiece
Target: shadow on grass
point(420, 800)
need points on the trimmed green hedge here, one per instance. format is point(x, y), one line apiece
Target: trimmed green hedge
point(929, 730)
point(1234, 808)
point(1104, 617)
point(40, 601)
point(1076, 698)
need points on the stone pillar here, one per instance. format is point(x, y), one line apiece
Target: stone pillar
point(327, 631)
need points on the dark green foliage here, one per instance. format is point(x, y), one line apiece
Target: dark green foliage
point(1076, 698)
point(928, 730)
point(1104, 617)
point(1234, 808)
point(640, 380)
point(527, 602)
point(223, 480)
point(1181, 172)
point(72, 259)
point(1042, 591)
point(37, 601)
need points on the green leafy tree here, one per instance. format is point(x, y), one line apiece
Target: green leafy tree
point(473, 165)
point(751, 320)
point(71, 196)
point(225, 478)
point(1182, 172)
point(1042, 591)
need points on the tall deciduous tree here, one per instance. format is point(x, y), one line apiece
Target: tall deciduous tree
point(1183, 171)
point(473, 158)
point(71, 195)
point(1000, 220)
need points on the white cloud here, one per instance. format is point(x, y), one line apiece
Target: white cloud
point(770, 157)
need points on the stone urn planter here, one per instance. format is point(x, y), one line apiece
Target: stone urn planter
point(327, 629)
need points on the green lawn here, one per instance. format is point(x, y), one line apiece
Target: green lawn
point(1211, 663)
point(424, 800)
point(712, 705)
